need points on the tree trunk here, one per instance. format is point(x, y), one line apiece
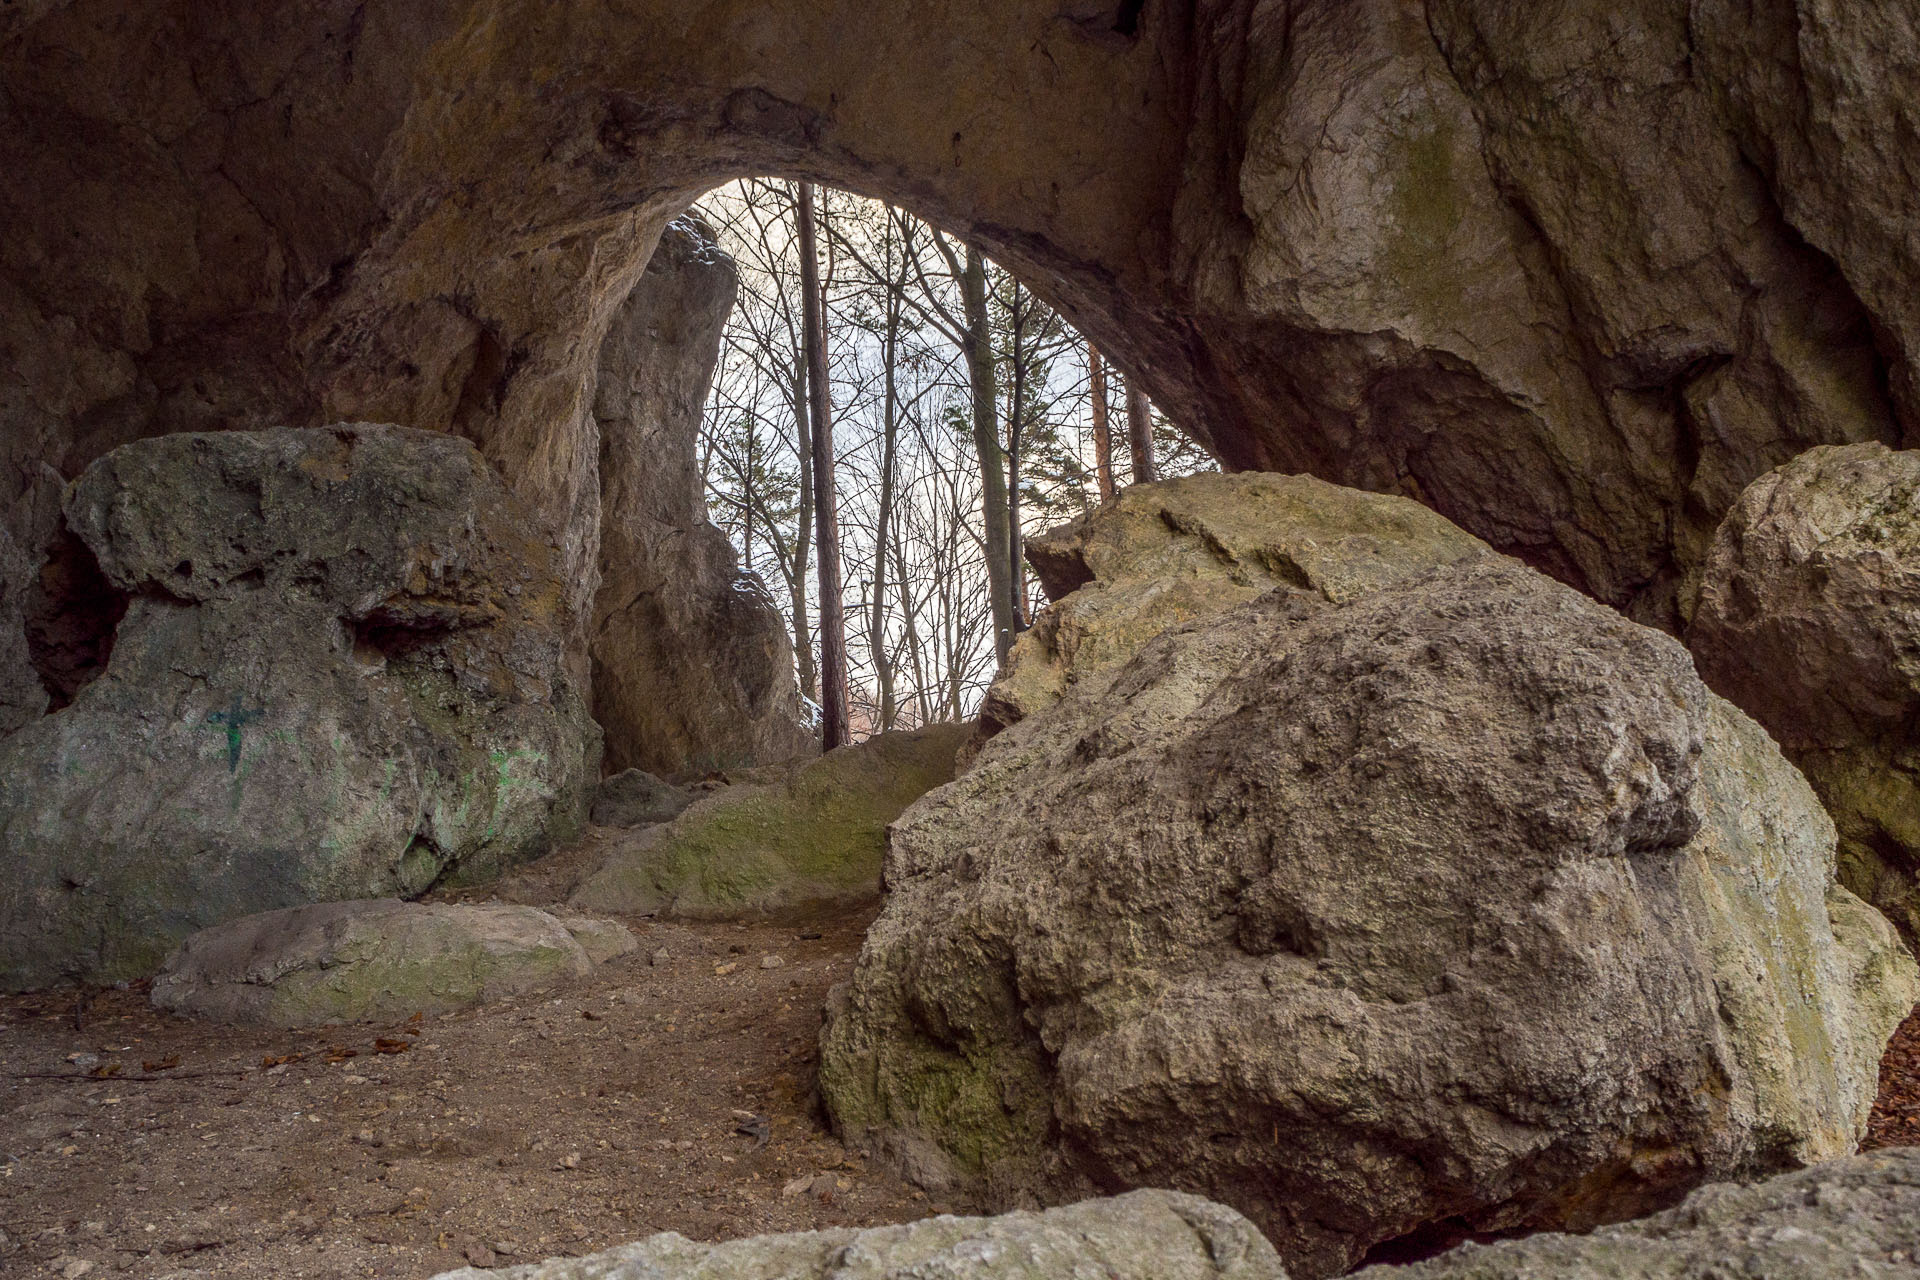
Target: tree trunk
point(833, 627)
point(986, 443)
point(1140, 433)
point(890, 437)
point(802, 540)
point(1102, 432)
point(1016, 420)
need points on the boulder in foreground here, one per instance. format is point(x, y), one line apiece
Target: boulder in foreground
point(1148, 1235)
point(1854, 1217)
point(1464, 902)
point(377, 961)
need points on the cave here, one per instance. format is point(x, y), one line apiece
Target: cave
point(1408, 871)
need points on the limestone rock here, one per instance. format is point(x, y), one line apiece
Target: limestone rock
point(342, 675)
point(1570, 274)
point(807, 837)
point(1463, 901)
point(1167, 553)
point(27, 529)
point(692, 664)
point(1854, 1217)
point(1808, 617)
point(23, 698)
point(1147, 1235)
point(635, 798)
point(376, 961)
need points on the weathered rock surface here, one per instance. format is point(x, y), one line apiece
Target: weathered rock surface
point(805, 838)
point(1855, 1217)
point(377, 960)
point(1147, 1235)
point(1167, 553)
point(341, 676)
point(635, 798)
point(1570, 274)
point(1808, 617)
point(1464, 901)
point(692, 665)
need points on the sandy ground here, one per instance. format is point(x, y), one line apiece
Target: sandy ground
point(539, 1126)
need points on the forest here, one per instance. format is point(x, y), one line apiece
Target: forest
point(964, 413)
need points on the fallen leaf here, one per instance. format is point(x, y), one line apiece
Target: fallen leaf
point(105, 1070)
point(590, 1015)
point(270, 1061)
point(384, 1045)
point(167, 1063)
point(337, 1054)
point(722, 970)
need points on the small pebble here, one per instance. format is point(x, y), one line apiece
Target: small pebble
point(661, 956)
point(771, 961)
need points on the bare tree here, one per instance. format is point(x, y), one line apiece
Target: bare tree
point(1140, 433)
point(833, 629)
point(1102, 432)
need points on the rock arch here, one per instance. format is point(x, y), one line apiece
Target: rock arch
point(1570, 273)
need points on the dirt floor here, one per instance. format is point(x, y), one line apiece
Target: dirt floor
point(148, 1145)
point(140, 1145)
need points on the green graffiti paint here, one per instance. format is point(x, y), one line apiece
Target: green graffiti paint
point(235, 718)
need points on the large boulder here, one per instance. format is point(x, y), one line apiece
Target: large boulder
point(1463, 902)
point(1148, 1235)
point(1162, 554)
point(341, 676)
point(379, 960)
point(1856, 1217)
point(692, 663)
point(803, 838)
point(1808, 617)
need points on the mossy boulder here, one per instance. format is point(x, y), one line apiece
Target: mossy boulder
point(1808, 618)
point(342, 674)
point(803, 837)
point(1461, 905)
point(1163, 554)
point(377, 961)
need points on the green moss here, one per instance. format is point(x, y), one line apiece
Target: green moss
point(817, 838)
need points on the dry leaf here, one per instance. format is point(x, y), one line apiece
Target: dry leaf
point(105, 1070)
point(383, 1045)
point(167, 1063)
point(337, 1054)
point(590, 1015)
point(270, 1061)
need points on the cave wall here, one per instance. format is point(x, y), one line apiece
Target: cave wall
point(1570, 273)
point(692, 665)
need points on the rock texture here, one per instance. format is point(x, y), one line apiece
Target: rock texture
point(1163, 554)
point(808, 837)
point(634, 798)
point(1148, 1235)
point(1857, 1217)
point(381, 960)
point(1571, 274)
point(341, 675)
point(1808, 617)
point(692, 665)
point(1462, 902)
